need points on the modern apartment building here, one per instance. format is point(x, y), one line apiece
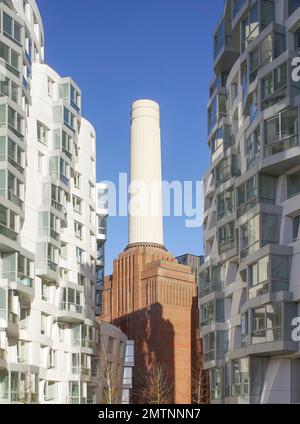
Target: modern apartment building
point(51, 348)
point(102, 215)
point(250, 281)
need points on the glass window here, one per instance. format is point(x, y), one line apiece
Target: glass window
point(7, 24)
point(77, 204)
point(50, 390)
point(226, 237)
point(296, 227)
point(267, 187)
point(293, 5)
point(293, 184)
point(270, 229)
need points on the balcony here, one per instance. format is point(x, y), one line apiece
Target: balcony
point(70, 312)
point(237, 7)
point(269, 329)
point(210, 281)
point(226, 169)
point(215, 346)
point(18, 270)
point(281, 145)
point(226, 47)
point(9, 195)
point(8, 233)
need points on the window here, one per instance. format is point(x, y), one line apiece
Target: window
point(225, 203)
point(64, 251)
point(267, 188)
point(247, 196)
point(71, 300)
point(15, 189)
point(11, 58)
point(79, 255)
point(253, 144)
point(219, 39)
point(24, 315)
point(77, 204)
point(249, 27)
point(52, 359)
point(269, 229)
point(57, 197)
point(50, 87)
point(53, 254)
point(293, 184)
point(226, 237)
point(250, 237)
point(44, 324)
point(11, 28)
point(69, 119)
point(227, 168)
point(45, 291)
point(274, 86)
point(77, 178)
point(281, 132)
point(9, 89)
point(42, 134)
point(64, 274)
point(267, 324)
point(236, 7)
point(296, 227)
point(102, 223)
point(50, 390)
point(78, 228)
point(81, 280)
point(8, 223)
point(25, 271)
point(258, 276)
point(293, 5)
point(67, 144)
point(264, 53)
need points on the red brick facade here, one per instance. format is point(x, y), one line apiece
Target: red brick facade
point(153, 300)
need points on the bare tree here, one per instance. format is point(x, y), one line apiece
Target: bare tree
point(200, 386)
point(156, 384)
point(25, 389)
point(110, 377)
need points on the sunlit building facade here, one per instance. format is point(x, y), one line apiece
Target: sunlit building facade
point(249, 283)
point(51, 348)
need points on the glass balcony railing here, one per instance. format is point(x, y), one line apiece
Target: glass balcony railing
point(65, 180)
point(281, 145)
point(85, 343)
point(239, 389)
point(9, 195)
point(71, 307)
point(52, 265)
point(25, 281)
point(273, 286)
point(8, 233)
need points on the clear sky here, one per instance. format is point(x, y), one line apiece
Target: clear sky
point(119, 51)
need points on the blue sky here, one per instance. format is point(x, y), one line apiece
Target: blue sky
point(118, 51)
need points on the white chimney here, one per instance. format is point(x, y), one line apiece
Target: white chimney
point(145, 214)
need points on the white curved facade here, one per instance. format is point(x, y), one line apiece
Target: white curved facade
point(49, 341)
point(145, 220)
